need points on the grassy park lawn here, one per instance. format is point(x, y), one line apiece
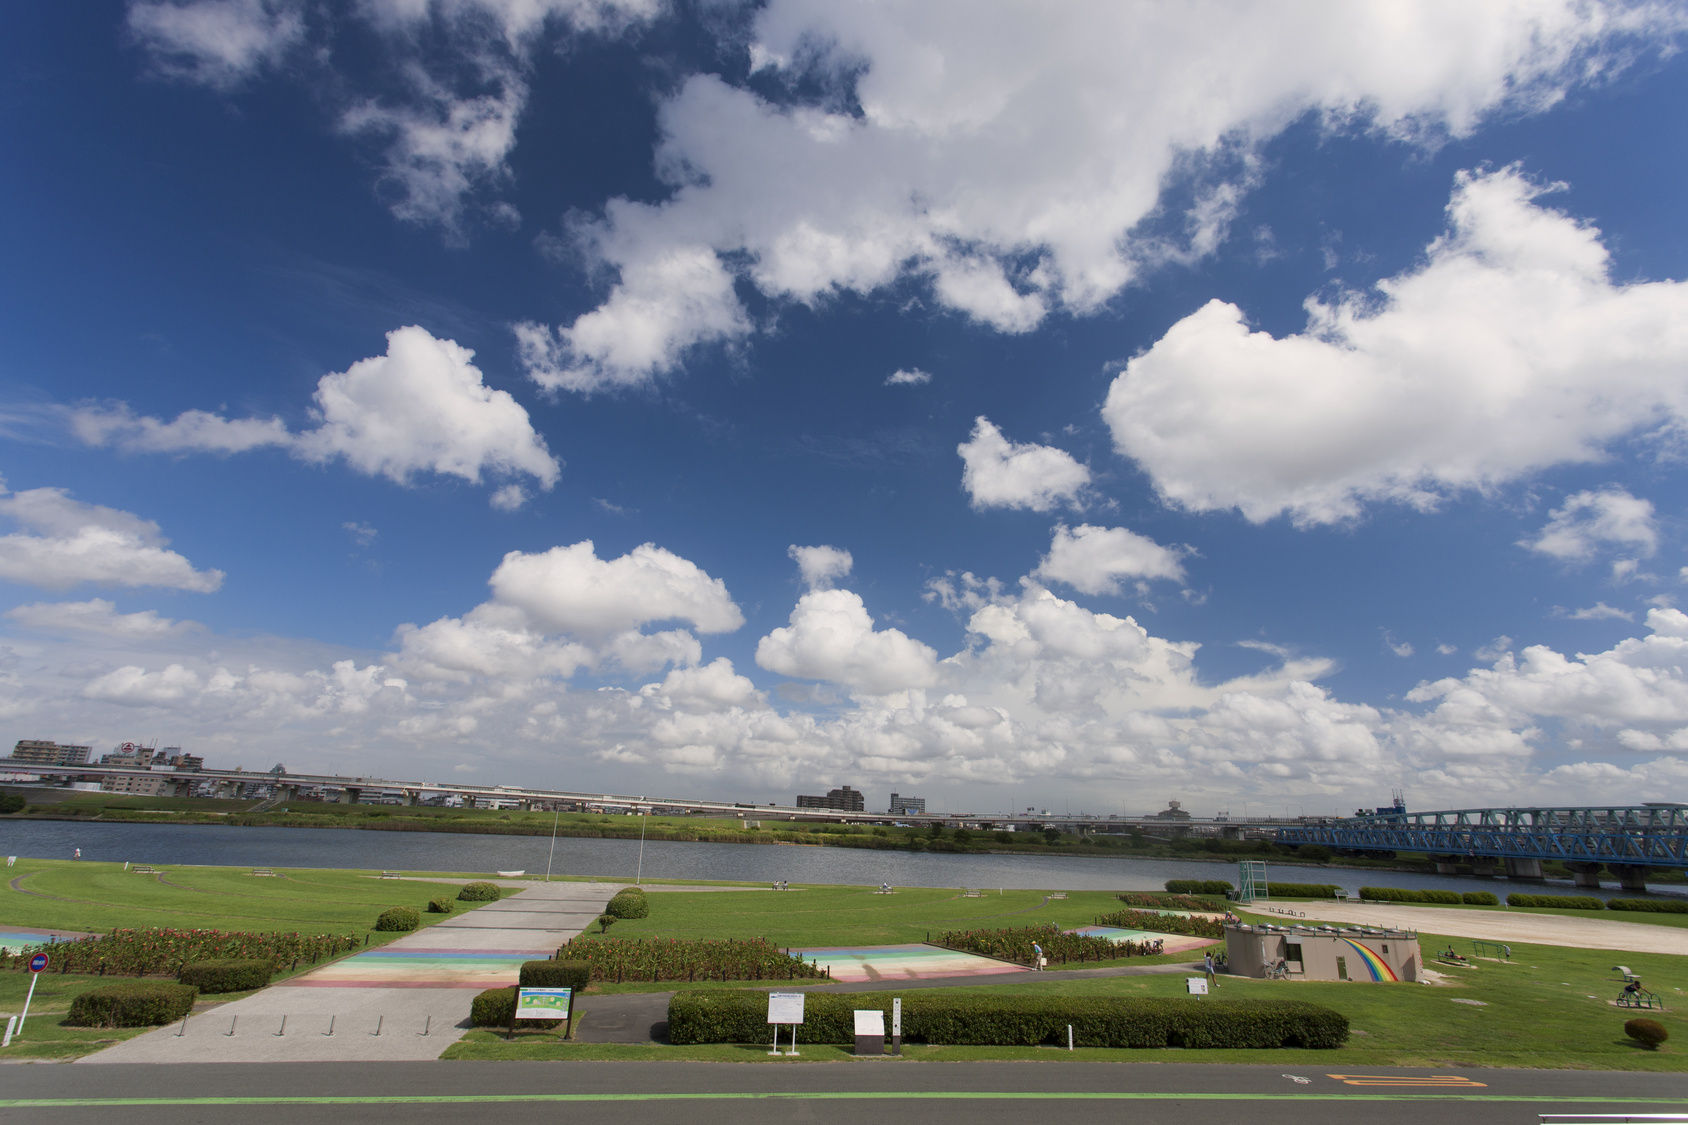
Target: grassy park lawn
point(98, 897)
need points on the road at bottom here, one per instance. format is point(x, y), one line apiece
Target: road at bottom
point(887, 1092)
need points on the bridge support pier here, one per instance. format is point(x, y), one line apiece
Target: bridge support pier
point(1446, 864)
point(1587, 874)
point(350, 794)
point(1631, 877)
point(1484, 867)
point(1527, 869)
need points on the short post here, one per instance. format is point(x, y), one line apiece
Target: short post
point(1069, 1037)
point(897, 1026)
point(568, 1020)
point(230, 1031)
point(379, 1019)
point(427, 1025)
point(283, 1030)
point(183, 1030)
point(330, 1030)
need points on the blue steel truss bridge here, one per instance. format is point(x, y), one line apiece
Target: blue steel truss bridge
point(1627, 841)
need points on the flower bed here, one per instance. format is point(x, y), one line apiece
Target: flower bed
point(1163, 923)
point(1016, 945)
point(674, 959)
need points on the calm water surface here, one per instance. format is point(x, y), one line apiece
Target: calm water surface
point(217, 845)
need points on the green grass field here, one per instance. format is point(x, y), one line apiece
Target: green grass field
point(98, 897)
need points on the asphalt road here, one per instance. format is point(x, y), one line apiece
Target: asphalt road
point(889, 1092)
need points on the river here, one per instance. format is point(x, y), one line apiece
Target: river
point(217, 845)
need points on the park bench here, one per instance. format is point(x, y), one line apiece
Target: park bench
point(1059, 894)
point(971, 894)
point(263, 871)
point(391, 875)
point(1624, 969)
point(142, 869)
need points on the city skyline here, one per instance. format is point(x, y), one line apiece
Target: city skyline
point(1214, 402)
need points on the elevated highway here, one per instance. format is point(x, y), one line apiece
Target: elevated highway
point(1628, 841)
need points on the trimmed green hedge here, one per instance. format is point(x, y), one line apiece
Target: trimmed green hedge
point(439, 906)
point(1649, 1033)
point(132, 1004)
point(556, 974)
point(399, 918)
point(480, 892)
point(1479, 898)
point(1198, 887)
point(1302, 890)
point(1647, 905)
point(1019, 1021)
point(227, 974)
point(629, 903)
point(495, 1006)
point(1396, 894)
point(1557, 902)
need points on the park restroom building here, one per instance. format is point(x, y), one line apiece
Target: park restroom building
point(1322, 953)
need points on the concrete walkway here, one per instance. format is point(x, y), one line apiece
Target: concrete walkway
point(408, 999)
point(1600, 930)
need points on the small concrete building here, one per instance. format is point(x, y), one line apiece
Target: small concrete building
point(1323, 953)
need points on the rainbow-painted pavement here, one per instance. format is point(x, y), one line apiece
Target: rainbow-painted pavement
point(903, 962)
point(423, 968)
point(1174, 943)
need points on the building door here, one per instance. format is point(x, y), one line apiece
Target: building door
point(1342, 968)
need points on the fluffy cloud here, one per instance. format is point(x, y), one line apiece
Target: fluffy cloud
point(1508, 351)
point(1093, 560)
point(217, 42)
point(1576, 529)
point(64, 543)
point(908, 377)
point(422, 407)
point(821, 566)
point(571, 590)
point(97, 616)
point(998, 473)
point(831, 637)
point(1010, 154)
point(136, 687)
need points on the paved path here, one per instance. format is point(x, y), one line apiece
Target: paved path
point(1598, 931)
point(405, 1000)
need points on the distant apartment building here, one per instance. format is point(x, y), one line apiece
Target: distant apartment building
point(35, 752)
point(901, 806)
point(141, 786)
point(844, 799)
point(129, 755)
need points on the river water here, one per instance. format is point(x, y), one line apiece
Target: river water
point(219, 845)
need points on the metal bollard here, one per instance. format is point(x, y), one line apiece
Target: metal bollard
point(230, 1032)
point(427, 1026)
point(283, 1030)
point(183, 1030)
point(330, 1030)
point(378, 1020)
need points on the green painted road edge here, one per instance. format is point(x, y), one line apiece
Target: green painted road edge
point(885, 1095)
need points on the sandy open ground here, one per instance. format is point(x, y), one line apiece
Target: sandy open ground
point(1599, 931)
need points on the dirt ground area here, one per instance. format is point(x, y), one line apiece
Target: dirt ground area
point(1599, 931)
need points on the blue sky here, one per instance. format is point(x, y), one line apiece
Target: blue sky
point(1207, 402)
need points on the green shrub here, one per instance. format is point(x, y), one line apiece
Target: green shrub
point(1198, 887)
point(439, 906)
point(1451, 898)
point(480, 892)
point(556, 974)
point(1152, 901)
point(1009, 1021)
point(1302, 890)
point(399, 918)
point(132, 1004)
point(1649, 1033)
point(1397, 894)
point(495, 1006)
point(227, 974)
point(12, 802)
point(1163, 923)
point(629, 904)
point(605, 921)
point(1479, 898)
point(1648, 905)
point(1557, 902)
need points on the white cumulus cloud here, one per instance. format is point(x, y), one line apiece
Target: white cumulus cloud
point(908, 377)
point(570, 589)
point(821, 566)
point(831, 637)
point(98, 616)
point(134, 686)
point(998, 473)
point(1093, 560)
point(218, 42)
point(63, 543)
point(1577, 528)
point(1510, 350)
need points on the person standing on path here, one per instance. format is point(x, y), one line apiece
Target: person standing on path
point(1037, 957)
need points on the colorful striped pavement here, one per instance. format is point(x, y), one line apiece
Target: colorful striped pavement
point(423, 968)
point(903, 962)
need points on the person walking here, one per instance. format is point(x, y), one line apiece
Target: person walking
point(76, 853)
point(1037, 957)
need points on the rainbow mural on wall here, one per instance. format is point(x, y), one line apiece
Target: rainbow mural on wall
point(1375, 965)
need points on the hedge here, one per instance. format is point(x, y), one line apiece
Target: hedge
point(1396, 894)
point(227, 975)
point(495, 1006)
point(1557, 902)
point(1649, 1033)
point(145, 952)
point(705, 959)
point(1648, 905)
point(629, 904)
point(1479, 898)
point(1019, 1021)
point(132, 1004)
point(1166, 902)
point(556, 974)
point(1302, 890)
point(399, 918)
point(1016, 945)
point(1198, 887)
point(439, 906)
point(480, 892)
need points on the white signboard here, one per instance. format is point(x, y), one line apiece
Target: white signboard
point(785, 1007)
point(1196, 985)
point(542, 1003)
point(870, 1021)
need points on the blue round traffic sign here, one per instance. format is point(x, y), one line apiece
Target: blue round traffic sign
point(38, 962)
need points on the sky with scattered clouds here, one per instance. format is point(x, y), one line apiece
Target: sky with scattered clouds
point(1261, 406)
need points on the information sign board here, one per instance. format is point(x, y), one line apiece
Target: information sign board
point(542, 1003)
point(785, 1007)
point(1196, 985)
point(870, 1021)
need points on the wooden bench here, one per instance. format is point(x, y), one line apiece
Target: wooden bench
point(971, 894)
point(391, 875)
point(263, 871)
point(142, 869)
point(1059, 894)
